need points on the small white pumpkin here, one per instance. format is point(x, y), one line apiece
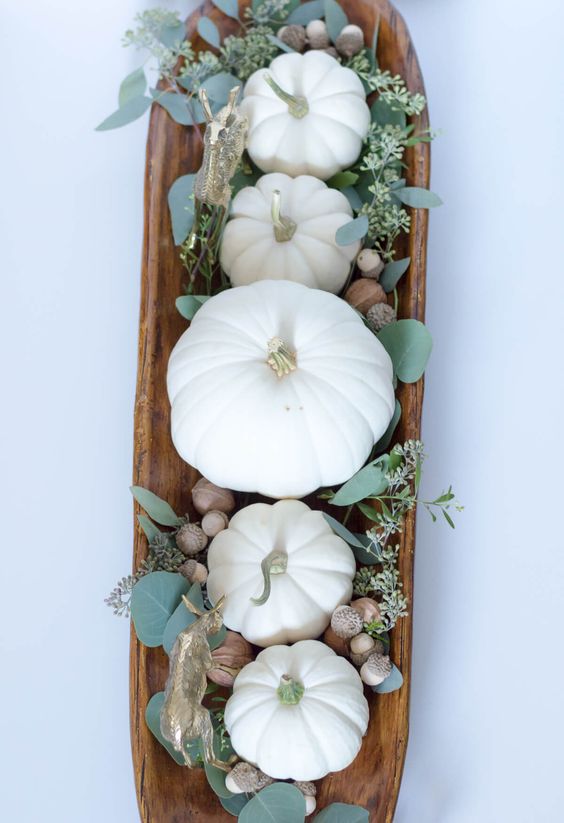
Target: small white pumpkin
point(297, 712)
point(282, 570)
point(284, 229)
point(278, 389)
point(307, 115)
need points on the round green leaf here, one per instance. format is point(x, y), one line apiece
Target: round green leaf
point(307, 12)
point(228, 7)
point(343, 180)
point(392, 273)
point(369, 481)
point(342, 813)
point(155, 507)
point(335, 18)
point(418, 198)
point(209, 31)
point(181, 206)
point(153, 600)
point(219, 85)
point(179, 620)
point(409, 345)
point(189, 304)
point(153, 720)
point(216, 779)
point(392, 683)
point(351, 232)
point(235, 804)
point(278, 803)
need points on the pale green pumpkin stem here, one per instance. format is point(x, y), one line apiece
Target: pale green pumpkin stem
point(284, 227)
point(281, 359)
point(290, 691)
point(274, 563)
point(297, 106)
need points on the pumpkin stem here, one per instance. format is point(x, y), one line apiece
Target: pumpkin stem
point(290, 691)
point(274, 563)
point(297, 106)
point(281, 359)
point(284, 227)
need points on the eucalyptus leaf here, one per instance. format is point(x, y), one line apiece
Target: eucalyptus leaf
point(342, 813)
point(158, 509)
point(153, 600)
point(182, 617)
point(148, 527)
point(189, 304)
point(384, 115)
point(228, 7)
point(130, 111)
point(368, 511)
point(392, 683)
point(369, 481)
point(216, 779)
point(176, 105)
point(335, 18)
point(343, 532)
point(181, 206)
point(386, 438)
point(133, 85)
point(409, 345)
point(353, 197)
point(219, 85)
point(234, 805)
point(418, 198)
point(364, 554)
point(351, 232)
point(172, 36)
point(392, 273)
point(277, 803)
point(307, 12)
point(209, 31)
point(342, 180)
point(153, 721)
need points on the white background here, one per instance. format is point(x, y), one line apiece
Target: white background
point(486, 722)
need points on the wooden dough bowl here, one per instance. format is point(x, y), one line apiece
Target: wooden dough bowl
point(168, 793)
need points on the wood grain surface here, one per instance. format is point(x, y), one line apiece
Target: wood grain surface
point(168, 793)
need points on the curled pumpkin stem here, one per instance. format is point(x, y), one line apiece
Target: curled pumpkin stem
point(274, 563)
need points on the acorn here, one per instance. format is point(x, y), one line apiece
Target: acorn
point(191, 539)
point(364, 293)
point(376, 669)
point(244, 778)
point(309, 791)
point(317, 34)
point(214, 522)
point(361, 643)
point(368, 609)
point(338, 644)
point(370, 263)
point(229, 658)
point(193, 571)
point(208, 497)
point(380, 315)
point(350, 41)
point(346, 622)
point(294, 36)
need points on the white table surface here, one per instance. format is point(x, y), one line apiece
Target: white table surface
point(486, 721)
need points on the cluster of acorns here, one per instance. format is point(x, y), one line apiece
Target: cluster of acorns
point(315, 36)
point(366, 295)
point(348, 637)
point(246, 778)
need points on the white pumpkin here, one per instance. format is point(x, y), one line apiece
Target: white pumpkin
point(284, 229)
point(307, 115)
point(297, 712)
point(278, 389)
point(282, 570)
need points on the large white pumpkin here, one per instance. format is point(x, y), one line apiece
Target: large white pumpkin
point(247, 421)
point(284, 229)
point(297, 712)
point(307, 115)
point(282, 570)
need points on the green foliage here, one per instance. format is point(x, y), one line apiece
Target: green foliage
point(181, 108)
point(153, 721)
point(134, 85)
point(335, 18)
point(418, 198)
point(392, 683)
point(158, 509)
point(132, 110)
point(409, 345)
point(189, 304)
point(342, 813)
point(182, 617)
point(244, 55)
point(343, 179)
point(353, 231)
point(228, 7)
point(150, 530)
point(306, 12)
point(209, 32)
point(392, 273)
point(343, 532)
point(181, 206)
point(216, 779)
point(153, 600)
point(278, 803)
point(369, 481)
point(234, 805)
